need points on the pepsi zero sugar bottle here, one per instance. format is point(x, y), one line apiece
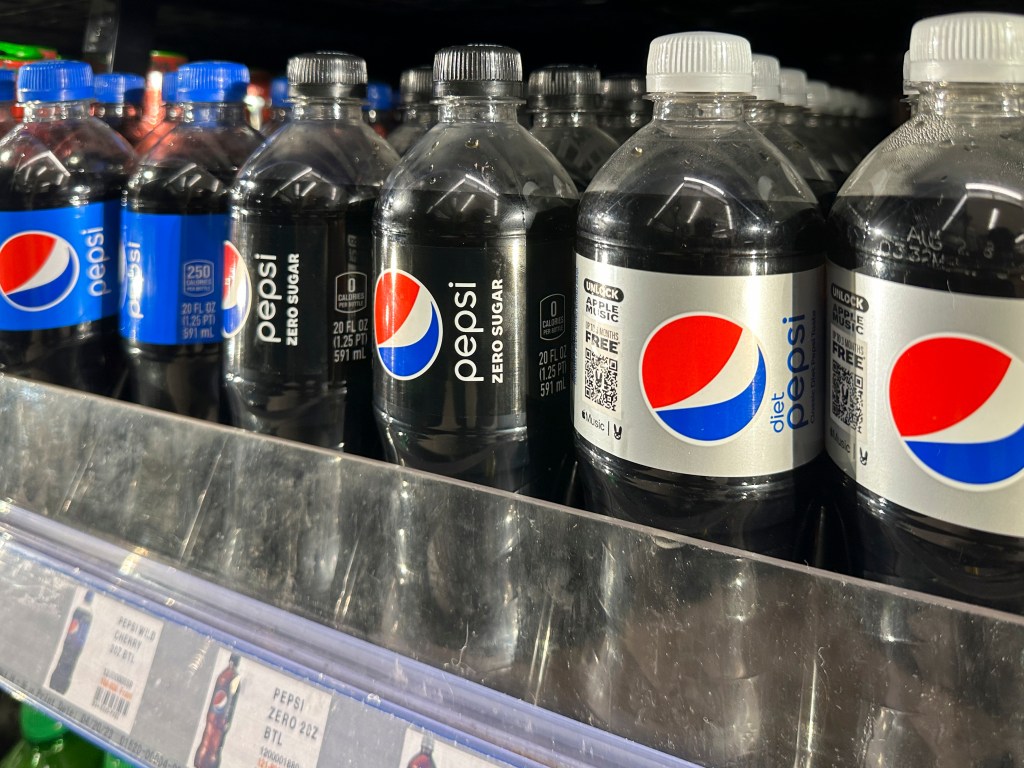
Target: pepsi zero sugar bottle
point(175, 229)
point(60, 187)
point(299, 355)
point(926, 281)
point(698, 327)
point(473, 244)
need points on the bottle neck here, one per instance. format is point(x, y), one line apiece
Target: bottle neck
point(212, 112)
point(337, 110)
point(464, 109)
point(113, 109)
point(419, 114)
point(549, 119)
point(974, 100)
point(761, 112)
point(789, 115)
point(48, 111)
point(699, 107)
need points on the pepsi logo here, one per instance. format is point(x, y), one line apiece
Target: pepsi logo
point(956, 405)
point(407, 324)
point(703, 377)
point(73, 626)
point(220, 700)
point(37, 270)
point(237, 291)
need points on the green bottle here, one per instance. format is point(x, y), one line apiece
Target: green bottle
point(45, 743)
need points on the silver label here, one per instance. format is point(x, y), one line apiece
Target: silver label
point(710, 376)
point(925, 399)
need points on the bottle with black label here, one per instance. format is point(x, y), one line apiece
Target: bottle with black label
point(473, 244)
point(761, 112)
point(926, 310)
point(698, 344)
point(298, 274)
point(175, 226)
point(418, 114)
point(564, 101)
point(624, 111)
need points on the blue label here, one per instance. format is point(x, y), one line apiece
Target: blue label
point(56, 266)
point(174, 277)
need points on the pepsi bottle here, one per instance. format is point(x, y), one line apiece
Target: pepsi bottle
point(280, 106)
point(564, 101)
point(119, 104)
point(473, 240)
point(297, 318)
point(169, 115)
point(218, 716)
point(793, 116)
point(418, 114)
point(61, 176)
point(699, 329)
point(926, 301)
point(624, 111)
point(175, 228)
point(7, 119)
point(74, 642)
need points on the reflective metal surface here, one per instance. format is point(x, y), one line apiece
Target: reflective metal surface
point(721, 658)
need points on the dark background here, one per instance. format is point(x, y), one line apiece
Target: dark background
point(857, 45)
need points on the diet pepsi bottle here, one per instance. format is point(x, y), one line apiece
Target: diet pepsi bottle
point(119, 104)
point(297, 275)
point(792, 115)
point(418, 114)
point(761, 113)
point(61, 178)
point(175, 229)
point(926, 301)
point(699, 329)
point(473, 244)
point(7, 119)
point(564, 101)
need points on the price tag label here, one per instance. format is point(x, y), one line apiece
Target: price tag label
point(420, 750)
point(259, 718)
point(103, 661)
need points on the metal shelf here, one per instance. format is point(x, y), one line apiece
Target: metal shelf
point(376, 608)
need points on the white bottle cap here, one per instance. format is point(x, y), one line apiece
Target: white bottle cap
point(968, 48)
point(794, 87)
point(767, 85)
point(817, 96)
point(699, 62)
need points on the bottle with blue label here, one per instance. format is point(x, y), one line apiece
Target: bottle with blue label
point(7, 82)
point(280, 106)
point(169, 115)
point(926, 308)
point(119, 103)
point(698, 339)
point(298, 304)
point(61, 179)
point(473, 243)
point(175, 233)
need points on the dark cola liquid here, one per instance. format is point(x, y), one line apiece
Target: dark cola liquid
point(699, 236)
point(86, 356)
point(512, 434)
point(983, 254)
point(314, 386)
point(181, 378)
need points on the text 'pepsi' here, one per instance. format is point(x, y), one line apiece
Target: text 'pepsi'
point(699, 320)
point(473, 289)
point(175, 228)
point(58, 251)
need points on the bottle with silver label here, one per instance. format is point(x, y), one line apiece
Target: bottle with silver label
point(564, 101)
point(925, 288)
point(698, 389)
point(473, 254)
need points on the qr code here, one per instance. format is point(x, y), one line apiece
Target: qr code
point(847, 396)
point(601, 380)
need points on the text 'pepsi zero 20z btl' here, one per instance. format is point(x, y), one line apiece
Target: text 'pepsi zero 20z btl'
point(299, 360)
point(61, 176)
point(174, 241)
point(926, 309)
point(698, 326)
point(473, 256)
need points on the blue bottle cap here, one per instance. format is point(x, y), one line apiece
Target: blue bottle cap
point(169, 87)
point(55, 80)
point(279, 92)
point(378, 96)
point(212, 81)
point(7, 78)
point(119, 88)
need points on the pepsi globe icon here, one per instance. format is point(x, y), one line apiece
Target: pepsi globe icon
point(407, 324)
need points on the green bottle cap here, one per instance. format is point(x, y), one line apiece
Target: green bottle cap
point(20, 52)
point(37, 728)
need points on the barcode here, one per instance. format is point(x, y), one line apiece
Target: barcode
point(601, 380)
point(847, 396)
point(110, 703)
